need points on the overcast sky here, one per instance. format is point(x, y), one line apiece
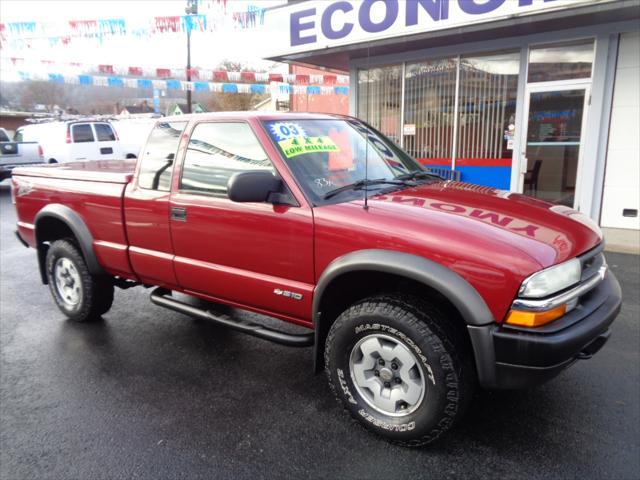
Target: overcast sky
point(168, 50)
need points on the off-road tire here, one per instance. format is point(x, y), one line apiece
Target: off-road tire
point(439, 348)
point(96, 292)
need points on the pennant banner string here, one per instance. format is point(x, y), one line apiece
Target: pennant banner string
point(201, 86)
point(98, 28)
point(165, 72)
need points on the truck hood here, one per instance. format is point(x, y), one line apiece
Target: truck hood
point(547, 233)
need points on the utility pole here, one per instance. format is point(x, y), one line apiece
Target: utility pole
point(191, 9)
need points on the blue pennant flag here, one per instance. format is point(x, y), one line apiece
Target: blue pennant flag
point(115, 82)
point(56, 78)
point(173, 84)
point(85, 79)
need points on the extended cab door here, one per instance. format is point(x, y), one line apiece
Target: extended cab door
point(146, 206)
point(254, 255)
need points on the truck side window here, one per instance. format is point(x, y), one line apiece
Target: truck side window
point(156, 163)
point(82, 133)
point(216, 151)
point(104, 132)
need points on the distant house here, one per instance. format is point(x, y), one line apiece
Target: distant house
point(144, 107)
point(181, 109)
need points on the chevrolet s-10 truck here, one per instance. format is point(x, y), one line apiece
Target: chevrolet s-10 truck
point(412, 290)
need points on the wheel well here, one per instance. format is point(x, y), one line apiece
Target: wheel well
point(52, 160)
point(49, 229)
point(130, 155)
point(351, 287)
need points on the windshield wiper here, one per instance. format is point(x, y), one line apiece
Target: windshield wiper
point(362, 184)
point(417, 175)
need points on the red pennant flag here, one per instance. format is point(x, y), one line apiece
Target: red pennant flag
point(219, 76)
point(330, 79)
point(275, 77)
point(193, 73)
point(302, 79)
point(135, 71)
point(163, 72)
point(167, 24)
point(105, 68)
point(248, 76)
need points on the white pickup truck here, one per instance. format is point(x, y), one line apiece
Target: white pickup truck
point(14, 154)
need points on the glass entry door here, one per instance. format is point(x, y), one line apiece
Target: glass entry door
point(555, 125)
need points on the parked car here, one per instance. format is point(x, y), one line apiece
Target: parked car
point(413, 290)
point(73, 140)
point(133, 133)
point(14, 154)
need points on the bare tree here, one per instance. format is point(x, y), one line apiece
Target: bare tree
point(219, 101)
point(43, 93)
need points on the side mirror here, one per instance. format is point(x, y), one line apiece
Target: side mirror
point(256, 186)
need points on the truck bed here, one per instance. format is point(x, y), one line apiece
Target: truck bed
point(92, 190)
point(108, 171)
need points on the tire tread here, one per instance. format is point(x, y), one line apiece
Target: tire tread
point(420, 315)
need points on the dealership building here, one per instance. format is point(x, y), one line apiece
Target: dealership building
point(533, 96)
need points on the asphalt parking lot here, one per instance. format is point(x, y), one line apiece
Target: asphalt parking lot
point(149, 393)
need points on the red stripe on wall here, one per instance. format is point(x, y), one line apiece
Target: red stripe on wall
point(468, 162)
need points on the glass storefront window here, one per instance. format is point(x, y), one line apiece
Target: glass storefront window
point(554, 135)
point(487, 108)
point(561, 61)
point(430, 89)
point(380, 98)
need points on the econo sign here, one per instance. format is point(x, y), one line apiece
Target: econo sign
point(319, 24)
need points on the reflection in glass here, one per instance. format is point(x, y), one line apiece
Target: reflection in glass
point(430, 89)
point(379, 99)
point(553, 144)
point(338, 153)
point(156, 163)
point(218, 150)
point(487, 106)
point(560, 62)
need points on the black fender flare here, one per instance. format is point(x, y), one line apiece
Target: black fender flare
point(75, 223)
point(456, 289)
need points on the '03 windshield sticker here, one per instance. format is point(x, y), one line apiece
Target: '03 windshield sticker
point(301, 145)
point(285, 130)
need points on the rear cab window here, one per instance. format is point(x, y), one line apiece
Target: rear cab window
point(81, 133)
point(158, 156)
point(216, 151)
point(104, 132)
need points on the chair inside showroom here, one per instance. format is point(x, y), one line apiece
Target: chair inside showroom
point(531, 177)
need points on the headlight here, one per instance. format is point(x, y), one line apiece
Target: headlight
point(551, 280)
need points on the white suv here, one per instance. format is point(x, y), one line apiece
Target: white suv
point(75, 140)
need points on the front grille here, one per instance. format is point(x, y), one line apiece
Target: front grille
point(591, 262)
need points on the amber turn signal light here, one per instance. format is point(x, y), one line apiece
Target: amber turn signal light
point(535, 319)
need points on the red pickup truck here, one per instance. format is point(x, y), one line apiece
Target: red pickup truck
point(412, 290)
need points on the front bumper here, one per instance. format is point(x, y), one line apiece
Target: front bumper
point(516, 357)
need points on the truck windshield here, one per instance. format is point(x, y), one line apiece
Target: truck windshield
point(325, 155)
